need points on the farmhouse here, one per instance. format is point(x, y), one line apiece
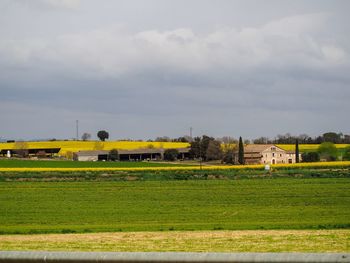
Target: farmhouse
point(128, 155)
point(267, 154)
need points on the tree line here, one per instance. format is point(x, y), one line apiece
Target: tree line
point(287, 138)
point(305, 139)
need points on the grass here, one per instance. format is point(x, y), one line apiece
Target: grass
point(166, 173)
point(169, 175)
point(68, 207)
point(17, 163)
point(193, 241)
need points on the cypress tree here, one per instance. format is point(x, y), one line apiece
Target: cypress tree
point(297, 151)
point(240, 151)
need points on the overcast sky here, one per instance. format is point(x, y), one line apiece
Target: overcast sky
point(141, 69)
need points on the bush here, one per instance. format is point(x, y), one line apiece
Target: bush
point(328, 151)
point(171, 154)
point(309, 157)
point(113, 155)
point(346, 156)
point(228, 156)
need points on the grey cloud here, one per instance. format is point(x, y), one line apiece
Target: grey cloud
point(222, 80)
point(70, 4)
point(112, 52)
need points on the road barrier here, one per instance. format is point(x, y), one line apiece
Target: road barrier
point(168, 257)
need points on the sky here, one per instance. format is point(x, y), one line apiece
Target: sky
point(142, 69)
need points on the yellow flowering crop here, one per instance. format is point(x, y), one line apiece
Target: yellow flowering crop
point(178, 168)
point(75, 146)
point(307, 147)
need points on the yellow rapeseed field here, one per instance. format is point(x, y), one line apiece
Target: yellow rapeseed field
point(177, 168)
point(75, 146)
point(307, 147)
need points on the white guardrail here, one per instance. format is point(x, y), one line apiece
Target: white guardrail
point(168, 257)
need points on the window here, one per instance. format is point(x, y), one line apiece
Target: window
point(273, 154)
point(280, 154)
point(273, 148)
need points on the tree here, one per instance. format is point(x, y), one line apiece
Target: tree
point(346, 138)
point(214, 151)
point(228, 155)
point(171, 154)
point(240, 151)
point(262, 140)
point(195, 147)
point(86, 136)
point(204, 145)
point(346, 155)
point(309, 157)
point(228, 152)
point(182, 139)
point(328, 151)
point(199, 146)
point(162, 139)
point(332, 137)
point(103, 135)
point(227, 140)
point(114, 155)
point(297, 151)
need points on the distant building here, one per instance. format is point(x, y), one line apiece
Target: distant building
point(30, 152)
point(267, 154)
point(90, 155)
point(128, 155)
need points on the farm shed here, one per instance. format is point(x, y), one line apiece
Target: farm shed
point(31, 152)
point(128, 155)
point(90, 156)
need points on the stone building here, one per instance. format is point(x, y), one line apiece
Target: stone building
point(267, 154)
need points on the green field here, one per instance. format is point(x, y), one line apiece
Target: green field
point(16, 163)
point(283, 203)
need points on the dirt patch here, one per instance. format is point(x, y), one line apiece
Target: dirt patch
point(131, 178)
point(197, 241)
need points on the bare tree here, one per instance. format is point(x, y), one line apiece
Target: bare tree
point(86, 136)
point(214, 151)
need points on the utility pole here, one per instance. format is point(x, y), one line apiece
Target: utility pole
point(191, 132)
point(77, 127)
point(200, 155)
